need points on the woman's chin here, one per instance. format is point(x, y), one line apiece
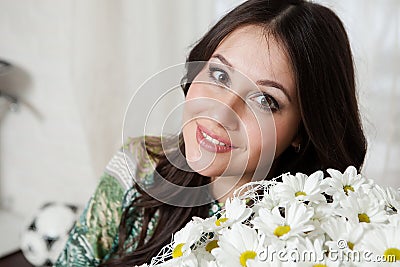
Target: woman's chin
point(204, 168)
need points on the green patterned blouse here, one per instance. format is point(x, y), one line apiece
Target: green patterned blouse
point(94, 237)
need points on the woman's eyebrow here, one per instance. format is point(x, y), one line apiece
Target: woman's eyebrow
point(267, 83)
point(223, 60)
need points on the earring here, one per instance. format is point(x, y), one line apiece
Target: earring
point(297, 148)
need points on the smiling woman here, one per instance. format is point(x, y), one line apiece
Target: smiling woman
point(269, 89)
point(242, 97)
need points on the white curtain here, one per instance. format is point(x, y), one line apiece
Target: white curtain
point(85, 59)
point(116, 46)
point(374, 32)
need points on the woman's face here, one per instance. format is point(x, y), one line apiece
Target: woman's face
point(241, 110)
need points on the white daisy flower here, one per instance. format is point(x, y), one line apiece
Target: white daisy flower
point(189, 260)
point(322, 213)
point(312, 254)
point(269, 201)
point(360, 207)
point(340, 184)
point(276, 263)
point(209, 224)
point(203, 248)
point(344, 235)
point(185, 238)
point(272, 256)
point(207, 263)
point(236, 246)
point(236, 211)
point(296, 217)
point(383, 242)
point(394, 220)
point(296, 221)
point(301, 187)
point(389, 197)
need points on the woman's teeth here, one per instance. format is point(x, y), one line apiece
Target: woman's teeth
point(212, 140)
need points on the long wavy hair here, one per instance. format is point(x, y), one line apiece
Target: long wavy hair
point(331, 131)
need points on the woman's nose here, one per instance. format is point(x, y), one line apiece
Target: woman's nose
point(226, 111)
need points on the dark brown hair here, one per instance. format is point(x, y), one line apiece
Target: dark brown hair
point(331, 131)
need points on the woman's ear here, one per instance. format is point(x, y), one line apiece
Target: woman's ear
point(296, 143)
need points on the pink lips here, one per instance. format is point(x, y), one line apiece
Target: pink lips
point(208, 145)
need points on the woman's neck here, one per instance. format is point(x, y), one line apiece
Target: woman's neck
point(223, 187)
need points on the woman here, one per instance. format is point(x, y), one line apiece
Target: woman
point(297, 58)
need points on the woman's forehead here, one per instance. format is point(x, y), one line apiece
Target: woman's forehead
point(257, 55)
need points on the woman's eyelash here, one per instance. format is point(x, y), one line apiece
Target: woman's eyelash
point(269, 103)
point(266, 102)
point(219, 75)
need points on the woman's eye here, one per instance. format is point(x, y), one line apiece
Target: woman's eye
point(219, 76)
point(266, 102)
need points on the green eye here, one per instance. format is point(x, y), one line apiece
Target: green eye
point(219, 76)
point(266, 102)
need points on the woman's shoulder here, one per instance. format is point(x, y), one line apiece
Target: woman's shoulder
point(132, 162)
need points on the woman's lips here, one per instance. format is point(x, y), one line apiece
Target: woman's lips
point(211, 142)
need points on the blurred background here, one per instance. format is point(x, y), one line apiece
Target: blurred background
point(76, 64)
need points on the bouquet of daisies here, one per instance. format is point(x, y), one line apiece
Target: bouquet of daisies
point(340, 220)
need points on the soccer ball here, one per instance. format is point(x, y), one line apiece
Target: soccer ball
point(45, 237)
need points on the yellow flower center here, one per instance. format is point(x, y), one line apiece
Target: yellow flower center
point(392, 254)
point(281, 230)
point(211, 245)
point(350, 245)
point(320, 265)
point(362, 217)
point(220, 220)
point(300, 193)
point(177, 252)
point(348, 188)
point(247, 255)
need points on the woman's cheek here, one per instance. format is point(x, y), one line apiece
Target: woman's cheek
point(286, 130)
point(261, 134)
point(198, 101)
point(197, 90)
